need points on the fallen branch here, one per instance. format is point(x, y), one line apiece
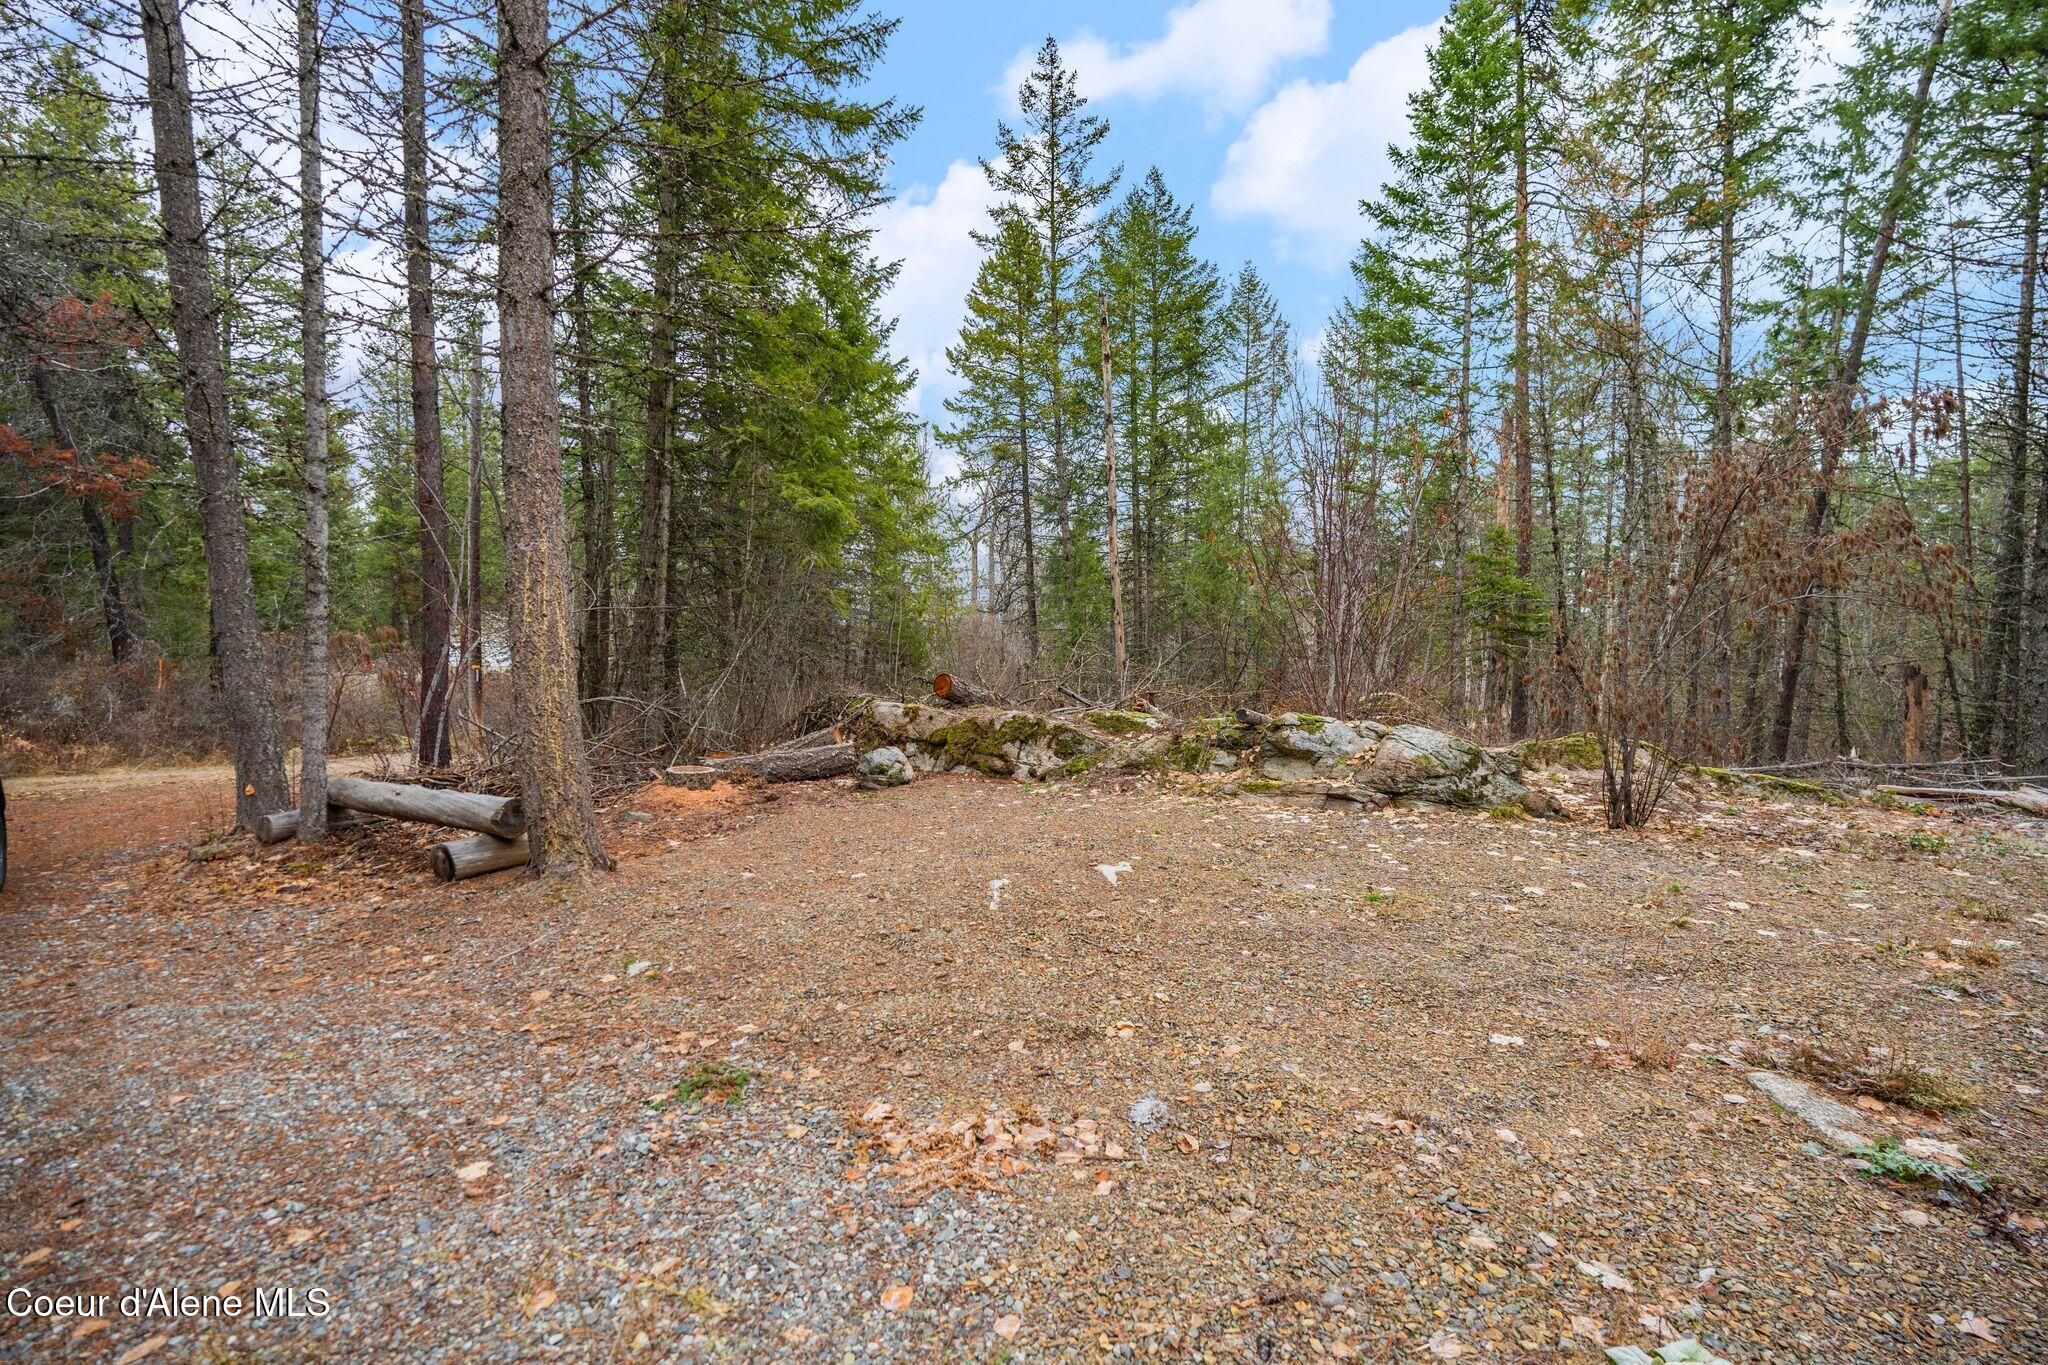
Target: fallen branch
point(2032, 800)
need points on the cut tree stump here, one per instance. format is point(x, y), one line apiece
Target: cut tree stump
point(960, 692)
point(790, 765)
point(281, 825)
point(695, 776)
point(499, 815)
point(460, 859)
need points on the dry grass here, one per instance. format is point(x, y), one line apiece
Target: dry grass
point(1981, 955)
point(1887, 1072)
point(1636, 1040)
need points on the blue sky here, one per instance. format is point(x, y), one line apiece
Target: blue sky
point(1271, 117)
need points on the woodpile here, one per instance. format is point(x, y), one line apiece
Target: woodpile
point(499, 821)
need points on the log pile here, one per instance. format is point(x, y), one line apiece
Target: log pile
point(499, 821)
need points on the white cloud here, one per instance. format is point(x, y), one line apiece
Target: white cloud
point(930, 231)
point(1221, 52)
point(1308, 155)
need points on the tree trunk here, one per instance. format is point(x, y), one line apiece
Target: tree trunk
point(647, 668)
point(113, 607)
point(2036, 724)
point(594, 640)
point(1841, 397)
point(437, 683)
point(554, 770)
point(1116, 583)
point(473, 543)
point(504, 816)
point(244, 678)
point(312, 812)
point(1525, 506)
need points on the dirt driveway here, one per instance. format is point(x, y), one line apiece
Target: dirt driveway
point(971, 1068)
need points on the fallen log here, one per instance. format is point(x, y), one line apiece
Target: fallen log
point(460, 859)
point(499, 815)
point(816, 739)
point(2032, 800)
point(790, 765)
point(960, 692)
point(279, 826)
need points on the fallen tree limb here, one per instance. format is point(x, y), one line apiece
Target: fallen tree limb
point(499, 815)
point(790, 765)
point(281, 825)
point(2032, 800)
point(460, 859)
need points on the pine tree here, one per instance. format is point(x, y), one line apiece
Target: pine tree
point(1002, 366)
point(1445, 213)
point(1042, 170)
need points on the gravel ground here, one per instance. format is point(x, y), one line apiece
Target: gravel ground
point(1308, 1083)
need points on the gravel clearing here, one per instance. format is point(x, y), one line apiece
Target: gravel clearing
point(1247, 1100)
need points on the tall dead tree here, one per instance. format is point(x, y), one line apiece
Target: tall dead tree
point(553, 768)
point(313, 381)
point(243, 674)
point(437, 683)
point(1839, 403)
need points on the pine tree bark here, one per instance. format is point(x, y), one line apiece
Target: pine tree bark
point(312, 823)
point(1840, 401)
point(437, 683)
point(554, 769)
point(244, 675)
point(2034, 695)
point(473, 542)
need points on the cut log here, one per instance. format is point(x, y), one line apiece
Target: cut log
point(281, 825)
point(791, 765)
point(960, 692)
point(460, 859)
point(2032, 800)
point(499, 815)
point(816, 739)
